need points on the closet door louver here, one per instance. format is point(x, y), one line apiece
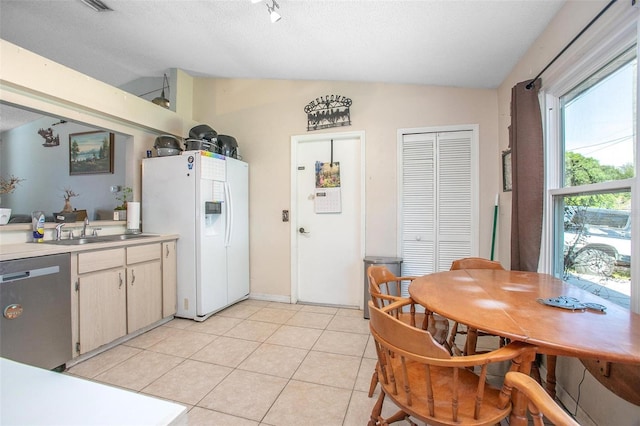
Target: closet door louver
point(418, 203)
point(454, 219)
point(437, 200)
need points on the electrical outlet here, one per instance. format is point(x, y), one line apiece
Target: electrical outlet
point(285, 215)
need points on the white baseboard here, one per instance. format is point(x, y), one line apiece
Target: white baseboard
point(270, 297)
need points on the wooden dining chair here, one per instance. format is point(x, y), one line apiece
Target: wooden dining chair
point(385, 288)
point(476, 263)
point(460, 329)
point(427, 383)
point(540, 404)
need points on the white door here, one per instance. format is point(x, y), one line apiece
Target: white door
point(327, 235)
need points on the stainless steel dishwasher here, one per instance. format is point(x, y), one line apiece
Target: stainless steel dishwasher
point(35, 298)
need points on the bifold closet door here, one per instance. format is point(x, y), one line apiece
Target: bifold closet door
point(437, 202)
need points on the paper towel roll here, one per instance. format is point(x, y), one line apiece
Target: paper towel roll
point(133, 216)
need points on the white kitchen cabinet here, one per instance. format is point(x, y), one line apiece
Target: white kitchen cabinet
point(101, 289)
point(144, 286)
point(121, 290)
point(169, 278)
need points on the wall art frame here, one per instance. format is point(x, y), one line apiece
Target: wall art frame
point(91, 152)
point(506, 171)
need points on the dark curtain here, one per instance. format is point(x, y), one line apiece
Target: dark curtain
point(527, 156)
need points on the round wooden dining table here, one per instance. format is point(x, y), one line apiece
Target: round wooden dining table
point(506, 303)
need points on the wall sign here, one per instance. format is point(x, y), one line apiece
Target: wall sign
point(328, 111)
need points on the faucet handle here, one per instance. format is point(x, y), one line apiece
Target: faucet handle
point(95, 231)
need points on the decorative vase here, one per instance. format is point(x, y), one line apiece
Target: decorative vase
point(5, 215)
point(67, 207)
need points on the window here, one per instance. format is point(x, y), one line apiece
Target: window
point(598, 122)
point(595, 152)
point(596, 245)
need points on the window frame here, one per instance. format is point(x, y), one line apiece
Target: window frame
point(615, 34)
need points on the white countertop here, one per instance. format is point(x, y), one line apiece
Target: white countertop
point(34, 396)
point(23, 250)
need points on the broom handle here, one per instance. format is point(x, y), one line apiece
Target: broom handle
point(495, 221)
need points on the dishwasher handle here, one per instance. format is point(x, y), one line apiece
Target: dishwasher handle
point(15, 276)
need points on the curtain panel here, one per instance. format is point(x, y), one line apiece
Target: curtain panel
point(527, 156)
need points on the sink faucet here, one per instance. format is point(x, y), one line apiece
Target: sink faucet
point(59, 231)
point(84, 227)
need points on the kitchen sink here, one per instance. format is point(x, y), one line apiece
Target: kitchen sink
point(97, 239)
point(120, 237)
point(74, 242)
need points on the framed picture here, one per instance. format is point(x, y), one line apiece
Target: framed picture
point(506, 170)
point(90, 153)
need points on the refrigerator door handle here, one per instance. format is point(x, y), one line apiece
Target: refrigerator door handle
point(228, 216)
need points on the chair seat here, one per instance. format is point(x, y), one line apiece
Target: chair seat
point(491, 414)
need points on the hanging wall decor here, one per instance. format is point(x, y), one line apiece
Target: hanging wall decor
point(506, 170)
point(49, 139)
point(91, 152)
point(328, 111)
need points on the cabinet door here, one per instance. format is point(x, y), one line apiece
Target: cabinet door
point(169, 278)
point(144, 295)
point(102, 308)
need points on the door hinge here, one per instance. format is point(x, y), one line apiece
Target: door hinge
point(78, 347)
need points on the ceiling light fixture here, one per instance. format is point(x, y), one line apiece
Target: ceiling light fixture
point(97, 5)
point(161, 100)
point(275, 16)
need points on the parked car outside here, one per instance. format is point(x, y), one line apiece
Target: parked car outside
point(596, 240)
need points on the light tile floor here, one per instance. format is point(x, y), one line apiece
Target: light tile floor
point(255, 363)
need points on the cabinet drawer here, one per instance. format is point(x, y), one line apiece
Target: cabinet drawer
point(98, 260)
point(144, 253)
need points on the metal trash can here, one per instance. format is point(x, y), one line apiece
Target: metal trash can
point(392, 264)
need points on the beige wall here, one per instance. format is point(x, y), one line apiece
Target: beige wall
point(263, 115)
point(569, 21)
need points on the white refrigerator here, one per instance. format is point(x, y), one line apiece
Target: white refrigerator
point(203, 197)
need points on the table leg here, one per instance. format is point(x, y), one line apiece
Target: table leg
point(551, 375)
point(472, 341)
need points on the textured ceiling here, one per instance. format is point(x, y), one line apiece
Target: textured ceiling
point(464, 43)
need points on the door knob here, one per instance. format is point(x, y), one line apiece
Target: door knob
point(302, 231)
